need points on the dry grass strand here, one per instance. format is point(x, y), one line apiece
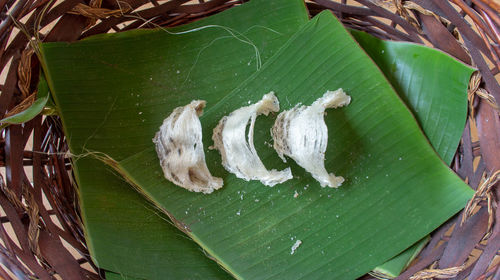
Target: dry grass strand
point(444, 273)
point(484, 192)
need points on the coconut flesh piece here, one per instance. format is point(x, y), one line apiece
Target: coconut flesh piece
point(301, 134)
point(180, 150)
point(238, 152)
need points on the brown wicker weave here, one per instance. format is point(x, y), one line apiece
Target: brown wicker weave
point(468, 30)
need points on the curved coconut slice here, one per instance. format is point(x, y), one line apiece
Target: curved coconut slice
point(180, 150)
point(238, 154)
point(301, 134)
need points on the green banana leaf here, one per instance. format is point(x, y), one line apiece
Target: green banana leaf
point(393, 267)
point(397, 188)
point(417, 73)
point(96, 80)
point(36, 108)
point(97, 169)
point(437, 96)
point(130, 236)
point(116, 276)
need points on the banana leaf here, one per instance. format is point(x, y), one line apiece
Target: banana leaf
point(116, 276)
point(111, 108)
point(42, 97)
point(438, 104)
point(125, 233)
point(397, 188)
point(417, 73)
point(393, 267)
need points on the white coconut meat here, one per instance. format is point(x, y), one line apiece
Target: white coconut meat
point(238, 151)
point(180, 150)
point(301, 134)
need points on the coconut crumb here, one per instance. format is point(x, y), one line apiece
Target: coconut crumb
point(295, 246)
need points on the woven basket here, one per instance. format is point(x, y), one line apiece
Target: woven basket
point(40, 225)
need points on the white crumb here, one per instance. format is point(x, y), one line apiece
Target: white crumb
point(295, 246)
point(296, 194)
